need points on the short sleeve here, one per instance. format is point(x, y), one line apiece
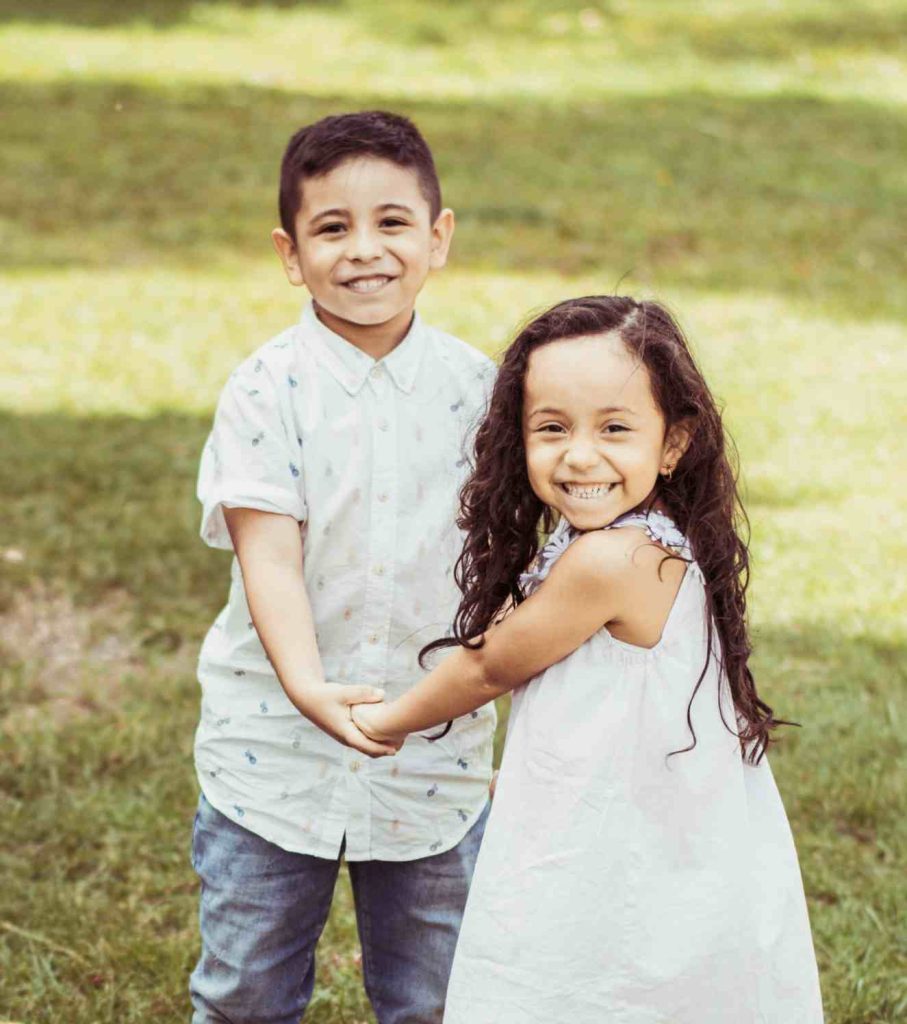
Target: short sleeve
point(253, 456)
point(482, 385)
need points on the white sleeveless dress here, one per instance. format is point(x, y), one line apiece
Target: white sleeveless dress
point(616, 885)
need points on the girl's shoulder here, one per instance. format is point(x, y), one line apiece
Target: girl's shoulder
point(609, 552)
point(632, 574)
point(634, 545)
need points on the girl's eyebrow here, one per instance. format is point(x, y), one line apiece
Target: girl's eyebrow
point(607, 410)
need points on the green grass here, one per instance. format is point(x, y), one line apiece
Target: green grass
point(741, 161)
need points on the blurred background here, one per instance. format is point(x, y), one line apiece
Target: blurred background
point(740, 160)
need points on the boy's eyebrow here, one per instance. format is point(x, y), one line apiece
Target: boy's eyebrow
point(335, 212)
point(397, 206)
point(339, 212)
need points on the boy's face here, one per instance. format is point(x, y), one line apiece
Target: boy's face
point(364, 246)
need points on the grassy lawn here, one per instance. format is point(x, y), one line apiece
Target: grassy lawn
point(743, 163)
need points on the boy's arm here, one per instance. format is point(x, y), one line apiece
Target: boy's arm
point(269, 549)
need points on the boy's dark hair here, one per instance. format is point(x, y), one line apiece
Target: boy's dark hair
point(320, 147)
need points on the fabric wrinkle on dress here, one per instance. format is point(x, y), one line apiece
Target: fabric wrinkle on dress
point(616, 884)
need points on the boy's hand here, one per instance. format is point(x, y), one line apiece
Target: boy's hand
point(371, 718)
point(328, 706)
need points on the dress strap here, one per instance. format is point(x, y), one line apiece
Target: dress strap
point(561, 538)
point(660, 527)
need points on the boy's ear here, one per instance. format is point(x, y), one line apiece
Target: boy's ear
point(289, 255)
point(676, 442)
point(441, 234)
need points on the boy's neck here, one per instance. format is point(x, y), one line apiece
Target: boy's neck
point(375, 340)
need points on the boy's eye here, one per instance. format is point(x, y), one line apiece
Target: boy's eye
point(393, 222)
point(333, 228)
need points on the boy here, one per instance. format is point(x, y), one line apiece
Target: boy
point(332, 471)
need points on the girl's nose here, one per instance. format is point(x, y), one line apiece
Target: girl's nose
point(582, 454)
point(363, 245)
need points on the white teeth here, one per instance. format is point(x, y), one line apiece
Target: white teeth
point(575, 491)
point(367, 284)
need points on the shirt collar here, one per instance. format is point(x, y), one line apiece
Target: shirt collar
point(351, 366)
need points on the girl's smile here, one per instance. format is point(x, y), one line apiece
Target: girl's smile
point(586, 491)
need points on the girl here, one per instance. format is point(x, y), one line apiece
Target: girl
point(638, 866)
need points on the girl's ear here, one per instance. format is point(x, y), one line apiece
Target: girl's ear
point(676, 442)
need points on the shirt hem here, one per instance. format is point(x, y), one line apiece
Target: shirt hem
point(445, 847)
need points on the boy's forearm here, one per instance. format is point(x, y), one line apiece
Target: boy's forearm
point(460, 684)
point(283, 618)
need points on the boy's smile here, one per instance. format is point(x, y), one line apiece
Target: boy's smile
point(594, 436)
point(364, 246)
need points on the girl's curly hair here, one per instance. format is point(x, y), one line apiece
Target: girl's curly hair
point(502, 516)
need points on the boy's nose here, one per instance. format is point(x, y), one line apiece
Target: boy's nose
point(363, 245)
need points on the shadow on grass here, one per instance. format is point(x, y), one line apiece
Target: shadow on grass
point(786, 494)
point(782, 195)
point(103, 13)
point(104, 505)
point(781, 35)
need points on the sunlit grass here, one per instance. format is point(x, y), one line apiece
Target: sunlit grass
point(404, 51)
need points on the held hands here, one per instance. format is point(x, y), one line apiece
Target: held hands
point(371, 719)
point(329, 706)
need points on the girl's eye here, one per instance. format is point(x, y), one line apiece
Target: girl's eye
point(550, 428)
point(616, 428)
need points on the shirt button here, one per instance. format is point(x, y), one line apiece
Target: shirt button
point(382, 497)
point(373, 638)
point(379, 570)
point(354, 766)
point(376, 371)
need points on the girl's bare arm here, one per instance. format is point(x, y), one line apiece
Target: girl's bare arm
point(594, 583)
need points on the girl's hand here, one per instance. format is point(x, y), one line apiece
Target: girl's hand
point(328, 705)
point(370, 719)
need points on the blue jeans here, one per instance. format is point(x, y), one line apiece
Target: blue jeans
point(263, 909)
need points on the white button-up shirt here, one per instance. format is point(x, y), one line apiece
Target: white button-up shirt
point(369, 457)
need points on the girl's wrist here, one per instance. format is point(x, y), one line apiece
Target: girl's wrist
point(386, 719)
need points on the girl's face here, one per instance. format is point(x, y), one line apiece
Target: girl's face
point(594, 438)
